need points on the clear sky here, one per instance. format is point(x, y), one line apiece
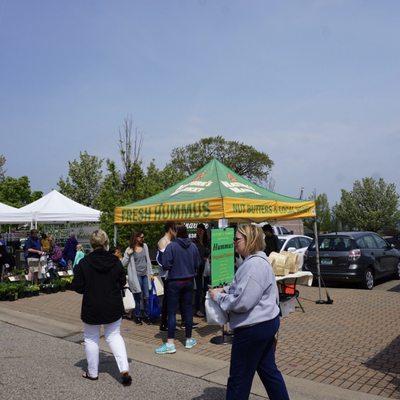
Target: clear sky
point(313, 83)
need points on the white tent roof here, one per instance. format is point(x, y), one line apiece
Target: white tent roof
point(55, 207)
point(6, 208)
point(10, 215)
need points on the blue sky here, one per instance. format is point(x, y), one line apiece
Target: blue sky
point(314, 84)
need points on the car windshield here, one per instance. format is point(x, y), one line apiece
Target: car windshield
point(281, 243)
point(333, 243)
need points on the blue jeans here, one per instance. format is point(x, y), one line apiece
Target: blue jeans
point(142, 297)
point(180, 289)
point(253, 349)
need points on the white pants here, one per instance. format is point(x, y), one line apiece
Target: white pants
point(114, 339)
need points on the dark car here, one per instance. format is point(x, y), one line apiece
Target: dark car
point(360, 257)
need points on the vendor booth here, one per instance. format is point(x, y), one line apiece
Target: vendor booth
point(54, 207)
point(214, 193)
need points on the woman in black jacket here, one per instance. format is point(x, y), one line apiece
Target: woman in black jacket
point(100, 277)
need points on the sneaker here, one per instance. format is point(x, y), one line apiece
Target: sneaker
point(166, 348)
point(126, 379)
point(199, 314)
point(138, 321)
point(190, 343)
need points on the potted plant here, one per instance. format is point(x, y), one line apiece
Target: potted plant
point(35, 289)
point(68, 280)
point(28, 291)
point(63, 285)
point(3, 291)
point(12, 292)
point(45, 287)
point(55, 286)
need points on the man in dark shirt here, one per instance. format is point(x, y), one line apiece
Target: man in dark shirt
point(33, 251)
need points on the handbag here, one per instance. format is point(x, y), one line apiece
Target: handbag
point(127, 299)
point(214, 313)
point(153, 305)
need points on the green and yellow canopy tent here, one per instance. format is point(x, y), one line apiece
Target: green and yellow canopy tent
point(213, 193)
point(216, 193)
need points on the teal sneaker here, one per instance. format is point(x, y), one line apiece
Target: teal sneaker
point(190, 343)
point(166, 348)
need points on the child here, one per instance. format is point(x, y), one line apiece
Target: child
point(79, 254)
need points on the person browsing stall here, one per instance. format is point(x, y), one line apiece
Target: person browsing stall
point(181, 260)
point(140, 272)
point(251, 302)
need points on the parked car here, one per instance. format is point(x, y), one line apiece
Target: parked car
point(278, 230)
point(281, 230)
point(294, 243)
point(360, 257)
point(394, 240)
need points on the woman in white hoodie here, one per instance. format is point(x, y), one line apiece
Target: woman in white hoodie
point(140, 273)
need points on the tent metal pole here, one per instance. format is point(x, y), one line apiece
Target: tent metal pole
point(115, 234)
point(317, 259)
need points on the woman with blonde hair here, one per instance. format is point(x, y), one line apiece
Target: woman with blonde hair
point(99, 276)
point(251, 302)
point(140, 272)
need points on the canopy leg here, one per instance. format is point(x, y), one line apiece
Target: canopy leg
point(115, 235)
point(328, 299)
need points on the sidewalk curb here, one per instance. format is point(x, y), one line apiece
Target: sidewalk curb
point(184, 362)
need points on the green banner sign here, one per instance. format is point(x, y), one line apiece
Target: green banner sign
point(222, 256)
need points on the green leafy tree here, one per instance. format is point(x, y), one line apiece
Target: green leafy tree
point(242, 158)
point(109, 197)
point(2, 170)
point(324, 216)
point(84, 179)
point(372, 205)
point(17, 192)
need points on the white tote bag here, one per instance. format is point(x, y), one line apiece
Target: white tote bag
point(214, 313)
point(128, 300)
point(159, 286)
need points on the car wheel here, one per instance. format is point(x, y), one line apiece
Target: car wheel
point(397, 272)
point(368, 279)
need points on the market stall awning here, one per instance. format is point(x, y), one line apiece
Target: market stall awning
point(55, 207)
point(212, 193)
point(10, 215)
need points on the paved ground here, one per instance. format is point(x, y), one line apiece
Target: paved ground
point(37, 366)
point(353, 343)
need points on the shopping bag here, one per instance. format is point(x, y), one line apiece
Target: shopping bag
point(207, 268)
point(128, 300)
point(214, 313)
point(153, 306)
point(159, 286)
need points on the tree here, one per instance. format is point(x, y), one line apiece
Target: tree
point(245, 160)
point(2, 170)
point(84, 179)
point(17, 192)
point(324, 217)
point(372, 205)
point(130, 151)
point(110, 196)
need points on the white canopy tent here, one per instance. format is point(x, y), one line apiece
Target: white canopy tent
point(54, 207)
point(11, 215)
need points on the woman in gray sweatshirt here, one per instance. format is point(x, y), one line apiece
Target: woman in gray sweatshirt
point(252, 305)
